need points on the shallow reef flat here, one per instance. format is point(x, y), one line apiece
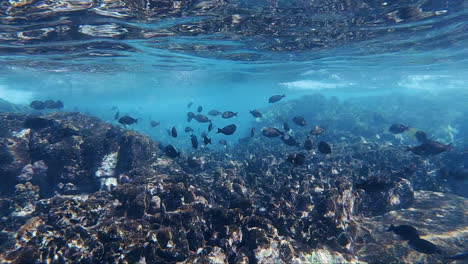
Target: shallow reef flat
point(440, 218)
point(78, 190)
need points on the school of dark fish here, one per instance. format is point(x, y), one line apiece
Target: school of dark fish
point(426, 148)
point(297, 157)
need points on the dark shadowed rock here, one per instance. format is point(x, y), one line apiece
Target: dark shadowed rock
point(76, 149)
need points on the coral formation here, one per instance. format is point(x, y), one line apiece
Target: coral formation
point(77, 190)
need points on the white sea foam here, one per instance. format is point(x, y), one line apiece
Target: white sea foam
point(314, 85)
point(432, 82)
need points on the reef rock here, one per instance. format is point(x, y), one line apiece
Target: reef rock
point(68, 153)
point(79, 190)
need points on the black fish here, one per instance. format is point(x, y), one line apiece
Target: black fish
point(210, 127)
point(154, 123)
point(430, 148)
point(189, 104)
point(424, 246)
point(324, 148)
point(461, 256)
point(223, 142)
point(271, 132)
point(406, 232)
point(173, 132)
point(214, 113)
point(190, 116)
point(299, 120)
point(206, 140)
point(228, 114)
point(308, 144)
point(296, 159)
point(252, 132)
point(421, 136)
point(160, 145)
point(58, 104)
point(202, 118)
point(116, 116)
point(317, 130)
point(37, 105)
point(194, 140)
point(127, 120)
point(188, 129)
point(199, 109)
point(286, 126)
point(51, 104)
point(398, 128)
point(227, 130)
point(171, 151)
point(290, 141)
point(275, 98)
point(168, 132)
point(256, 113)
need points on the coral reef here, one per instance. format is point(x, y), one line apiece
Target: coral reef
point(68, 153)
point(77, 190)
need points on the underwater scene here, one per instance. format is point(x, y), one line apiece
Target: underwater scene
point(233, 131)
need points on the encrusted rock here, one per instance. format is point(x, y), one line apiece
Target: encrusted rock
point(65, 149)
point(77, 190)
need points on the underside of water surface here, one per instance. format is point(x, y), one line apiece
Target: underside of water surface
point(233, 131)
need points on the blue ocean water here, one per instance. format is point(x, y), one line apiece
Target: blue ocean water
point(379, 62)
point(151, 68)
point(143, 54)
